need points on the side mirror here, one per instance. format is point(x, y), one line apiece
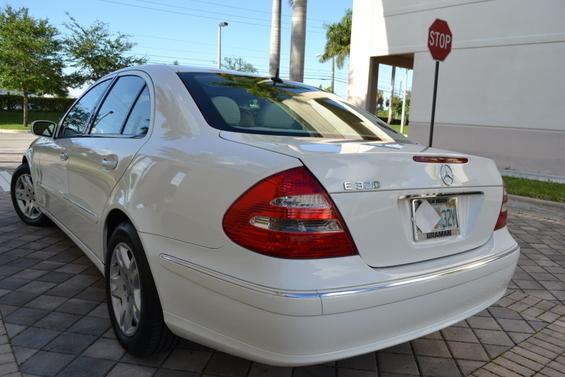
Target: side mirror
point(43, 127)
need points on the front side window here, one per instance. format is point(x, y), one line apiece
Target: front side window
point(117, 105)
point(252, 104)
point(76, 121)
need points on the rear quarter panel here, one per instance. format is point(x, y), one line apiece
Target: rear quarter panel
point(180, 188)
point(182, 181)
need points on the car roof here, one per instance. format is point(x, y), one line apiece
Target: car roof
point(183, 68)
point(158, 68)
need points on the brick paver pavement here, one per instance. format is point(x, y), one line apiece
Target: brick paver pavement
point(52, 305)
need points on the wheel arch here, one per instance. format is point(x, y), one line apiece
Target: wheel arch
point(115, 217)
point(27, 159)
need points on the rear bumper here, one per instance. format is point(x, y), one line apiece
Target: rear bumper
point(290, 328)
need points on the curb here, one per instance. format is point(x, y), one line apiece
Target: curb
point(527, 199)
point(3, 131)
point(532, 175)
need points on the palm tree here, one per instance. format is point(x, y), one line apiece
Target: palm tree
point(338, 40)
point(298, 39)
point(275, 50)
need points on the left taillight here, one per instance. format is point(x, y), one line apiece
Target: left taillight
point(289, 215)
point(503, 215)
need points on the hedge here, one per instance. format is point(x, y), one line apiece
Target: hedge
point(14, 102)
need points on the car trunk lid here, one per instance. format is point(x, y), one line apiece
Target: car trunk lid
point(380, 187)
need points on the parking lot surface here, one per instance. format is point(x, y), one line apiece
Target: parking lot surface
point(55, 322)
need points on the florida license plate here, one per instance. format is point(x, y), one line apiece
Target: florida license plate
point(434, 218)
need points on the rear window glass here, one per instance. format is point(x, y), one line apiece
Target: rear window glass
point(257, 105)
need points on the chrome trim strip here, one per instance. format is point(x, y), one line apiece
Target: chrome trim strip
point(343, 292)
point(440, 194)
point(80, 206)
point(424, 277)
point(239, 282)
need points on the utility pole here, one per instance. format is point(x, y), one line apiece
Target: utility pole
point(220, 26)
point(391, 95)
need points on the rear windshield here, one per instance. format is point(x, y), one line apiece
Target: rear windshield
point(257, 105)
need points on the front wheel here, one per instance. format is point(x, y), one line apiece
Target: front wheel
point(23, 198)
point(133, 303)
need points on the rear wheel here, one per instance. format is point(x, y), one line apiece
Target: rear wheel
point(23, 198)
point(131, 295)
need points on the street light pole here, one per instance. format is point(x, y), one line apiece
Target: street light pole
point(333, 74)
point(391, 95)
point(403, 116)
point(220, 26)
point(333, 71)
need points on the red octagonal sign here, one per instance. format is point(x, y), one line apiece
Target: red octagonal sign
point(439, 40)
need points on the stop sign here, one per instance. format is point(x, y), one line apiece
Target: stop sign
point(439, 40)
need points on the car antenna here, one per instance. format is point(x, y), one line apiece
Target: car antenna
point(276, 79)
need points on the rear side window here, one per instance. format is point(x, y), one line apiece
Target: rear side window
point(77, 119)
point(138, 121)
point(117, 105)
point(250, 104)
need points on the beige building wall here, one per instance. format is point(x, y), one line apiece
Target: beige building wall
point(501, 92)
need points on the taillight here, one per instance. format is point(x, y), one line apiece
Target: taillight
point(503, 215)
point(289, 215)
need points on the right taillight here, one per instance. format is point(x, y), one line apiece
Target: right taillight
point(289, 215)
point(503, 215)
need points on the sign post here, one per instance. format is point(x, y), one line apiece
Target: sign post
point(439, 44)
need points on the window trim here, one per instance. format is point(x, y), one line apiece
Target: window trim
point(214, 119)
point(99, 105)
point(125, 122)
point(56, 134)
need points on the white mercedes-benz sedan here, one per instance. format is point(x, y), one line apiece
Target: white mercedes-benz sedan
point(264, 218)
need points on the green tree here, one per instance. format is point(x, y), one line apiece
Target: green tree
point(397, 106)
point(94, 51)
point(30, 62)
point(338, 40)
point(380, 100)
point(238, 64)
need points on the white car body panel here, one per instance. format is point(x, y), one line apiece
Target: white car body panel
point(50, 181)
point(176, 184)
point(281, 327)
point(91, 184)
point(95, 165)
point(384, 210)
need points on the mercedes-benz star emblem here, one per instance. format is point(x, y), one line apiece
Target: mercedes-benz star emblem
point(446, 175)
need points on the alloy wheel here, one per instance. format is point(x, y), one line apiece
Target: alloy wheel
point(25, 197)
point(125, 289)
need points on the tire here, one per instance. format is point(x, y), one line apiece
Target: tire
point(143, 331)
point(23, 198)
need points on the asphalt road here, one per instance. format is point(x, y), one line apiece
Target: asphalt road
point(12, 146)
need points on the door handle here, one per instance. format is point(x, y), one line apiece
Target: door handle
point(64, 156)
point(109, 162)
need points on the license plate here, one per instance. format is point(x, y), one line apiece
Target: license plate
point(434, 218)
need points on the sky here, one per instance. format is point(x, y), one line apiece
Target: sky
point(186, 31)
